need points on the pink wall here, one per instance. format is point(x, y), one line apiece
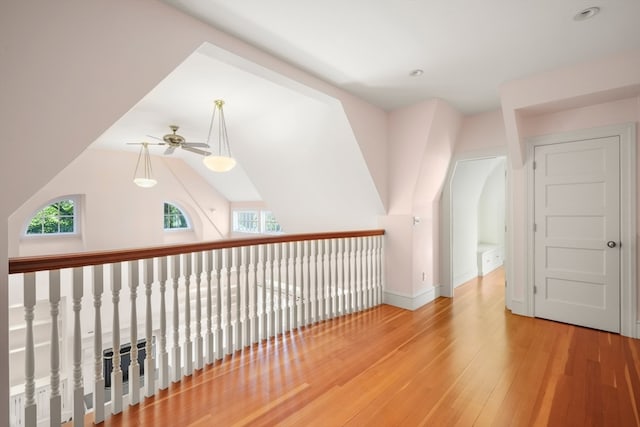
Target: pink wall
point(421, 143)
point(114, 213)
point(481, 132)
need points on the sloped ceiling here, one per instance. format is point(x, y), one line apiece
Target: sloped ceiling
point(294, 146)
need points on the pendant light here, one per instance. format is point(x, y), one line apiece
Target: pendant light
point(220, 159)
point(143, 176)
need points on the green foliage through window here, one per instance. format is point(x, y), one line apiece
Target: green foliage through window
point(174, 218)
point(57, 218)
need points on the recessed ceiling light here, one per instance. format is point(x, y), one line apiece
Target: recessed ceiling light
point(417, 72)
point(587, 13)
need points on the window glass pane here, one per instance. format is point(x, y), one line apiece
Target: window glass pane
point(246, 222)
point(270, 223)
point(66, 224)
point(56, 218)
point(35, 227)
point(66, 208)
point(174, 218)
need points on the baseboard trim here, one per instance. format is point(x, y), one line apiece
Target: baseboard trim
point(411, 302)
point(519, 308)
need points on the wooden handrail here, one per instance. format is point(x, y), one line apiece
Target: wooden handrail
point(56, 262)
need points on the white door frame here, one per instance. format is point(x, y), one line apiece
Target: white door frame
point(446, 225)
point(628, 287)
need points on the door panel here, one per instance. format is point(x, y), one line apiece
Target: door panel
point(577, 211)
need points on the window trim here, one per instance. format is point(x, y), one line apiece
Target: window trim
point(261, 221)
point(76, 219)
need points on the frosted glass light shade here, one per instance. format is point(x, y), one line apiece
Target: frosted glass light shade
point(143, 176)
point(219, 163)
point(145, 182)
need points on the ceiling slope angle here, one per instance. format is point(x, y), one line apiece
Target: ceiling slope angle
point(295, 148)
point(467, 49)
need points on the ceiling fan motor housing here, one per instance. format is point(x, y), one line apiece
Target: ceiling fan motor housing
point(173, 139)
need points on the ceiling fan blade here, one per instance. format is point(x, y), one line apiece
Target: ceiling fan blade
point(169, 150)
point(145, 142)
point(195, 144)
point(155, 137)
point(195, 150)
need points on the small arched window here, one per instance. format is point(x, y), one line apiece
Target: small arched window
point(57, 218)
point(174, 218)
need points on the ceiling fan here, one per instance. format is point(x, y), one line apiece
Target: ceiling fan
point(173, 140)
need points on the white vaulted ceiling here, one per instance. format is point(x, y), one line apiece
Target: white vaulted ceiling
point(294, 146)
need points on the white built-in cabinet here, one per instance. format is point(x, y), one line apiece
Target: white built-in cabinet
point(490, 257)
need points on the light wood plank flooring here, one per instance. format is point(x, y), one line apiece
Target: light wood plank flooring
point(455, 362)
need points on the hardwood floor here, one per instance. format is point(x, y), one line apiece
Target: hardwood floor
point(455, 362)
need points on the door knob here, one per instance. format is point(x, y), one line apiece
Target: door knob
point(611, 244)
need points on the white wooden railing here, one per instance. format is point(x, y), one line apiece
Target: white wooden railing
point(251, 290)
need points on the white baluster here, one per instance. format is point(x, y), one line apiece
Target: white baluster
point(263, 265)
point(175, 350)
point(78, 388)
point(279, 257)
point(370, 271)
point(272, 307)
point(134, 367)
point(326, 280)
point(376, 277)
point(321, 281)
point(295, 251)
point(208, 258)
point(199, 342)
point(331, 250)
point(188, 344)
point(365, 277)
point(227, 260)
point(245, 265)
point(116, 372)
point(237, 325)
point(55, 401)
point(325, 268)
point(163, 356)
point(349, 248)
point(382, 268)
point(98, 388)
point(218, 336)
point(285, 310)
point(149, 361)
point(305, 294)
point(286, 315)
point(255, 324)
point(30, 407)
point(341, 280)
point(358, 254)
point(315, 278)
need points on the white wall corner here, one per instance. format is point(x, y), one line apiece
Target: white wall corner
point(637, 336)
point(411, 302)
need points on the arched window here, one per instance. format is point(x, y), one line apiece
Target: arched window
point(57, 218)
point(174, 218)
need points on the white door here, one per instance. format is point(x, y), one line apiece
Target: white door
point(577, 233)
